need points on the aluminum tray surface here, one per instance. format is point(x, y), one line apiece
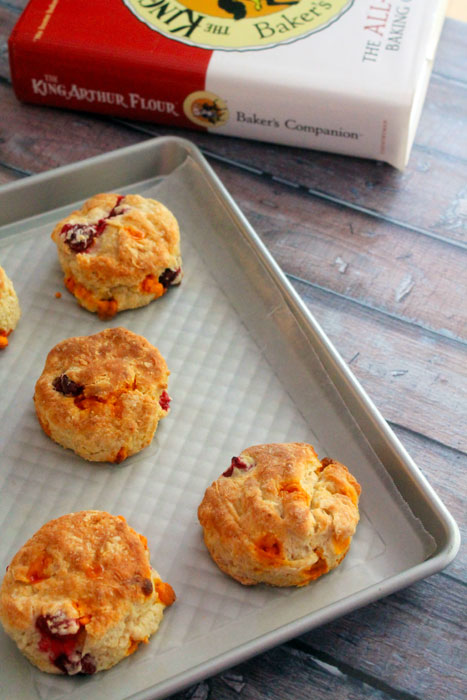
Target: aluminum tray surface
point(248, 365)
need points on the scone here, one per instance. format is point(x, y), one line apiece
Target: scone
point(81, 595)
point(10, 311)
point(278, 515)
point(119, 252)
point(103, 395)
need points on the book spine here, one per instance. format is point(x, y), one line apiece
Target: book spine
point(41, 79)
point(144, 84)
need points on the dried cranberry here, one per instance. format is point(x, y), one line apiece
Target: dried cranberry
point(58, 626)
point(88, 665)
point(80, 237)
point(67, 386)
point(236, 463)
point(168, 276)
point(74, 663)
point(63, 639)
point(164, 401)
point(69, 664)
point(113, 211)
point(41, 624)
point(147, 586)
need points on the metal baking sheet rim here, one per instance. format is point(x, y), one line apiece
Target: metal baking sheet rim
point(163, 154)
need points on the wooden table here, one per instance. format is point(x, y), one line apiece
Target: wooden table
point(380, 258)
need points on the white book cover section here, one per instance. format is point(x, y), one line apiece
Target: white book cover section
point(355, 87)
point(242, 373)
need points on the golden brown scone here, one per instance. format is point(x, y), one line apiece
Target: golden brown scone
point(81, 595)
point(119, 252)
point(10, 311)
point(278, 515)
point(103, 395)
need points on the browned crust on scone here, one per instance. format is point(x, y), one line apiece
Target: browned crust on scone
point(286, 520)
point(122, 377)
point(120, 270)
point(92, 559)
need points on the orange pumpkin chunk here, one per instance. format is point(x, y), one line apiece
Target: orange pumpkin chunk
point(340, 544)
point(151, 285)
point(38, 568)
point(106, 308)
point(165, 593)
point(269, 545)
point(121, 455)
point(319, 568)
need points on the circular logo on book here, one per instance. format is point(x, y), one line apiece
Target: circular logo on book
point(205, 109)
point(237, 25)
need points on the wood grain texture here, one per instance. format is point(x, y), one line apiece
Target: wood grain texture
point(16, 5)
point(286, 673)
point(415, 379)
point(383, 265)
point(8, 18)
point(450, 56)
point(37, 138)
point(8, 175)
point(413, 639)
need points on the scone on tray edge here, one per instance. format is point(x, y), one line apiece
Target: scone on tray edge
point(10, 311)
point(279, 515)
point(81, 594)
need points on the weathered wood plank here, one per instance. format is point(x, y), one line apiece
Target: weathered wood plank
point(8, 19)
point(16, 5)
point(413, 277)
point(443, 117)
point(7, 175)
point(40, 138)
point(451, 56)
point(414, 378)
point(285, 673)
point(413, 640)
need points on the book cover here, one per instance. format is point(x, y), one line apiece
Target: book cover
point(346, 76)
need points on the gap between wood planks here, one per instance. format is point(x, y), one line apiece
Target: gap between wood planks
point(456, 81)
point(12, 8)
point(19, 171)
point(376, 309)
point(332, 665)
point(434, 441)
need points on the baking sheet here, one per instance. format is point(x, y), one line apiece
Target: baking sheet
point(242, 372)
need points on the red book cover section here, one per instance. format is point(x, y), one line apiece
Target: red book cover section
point(99, 57)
